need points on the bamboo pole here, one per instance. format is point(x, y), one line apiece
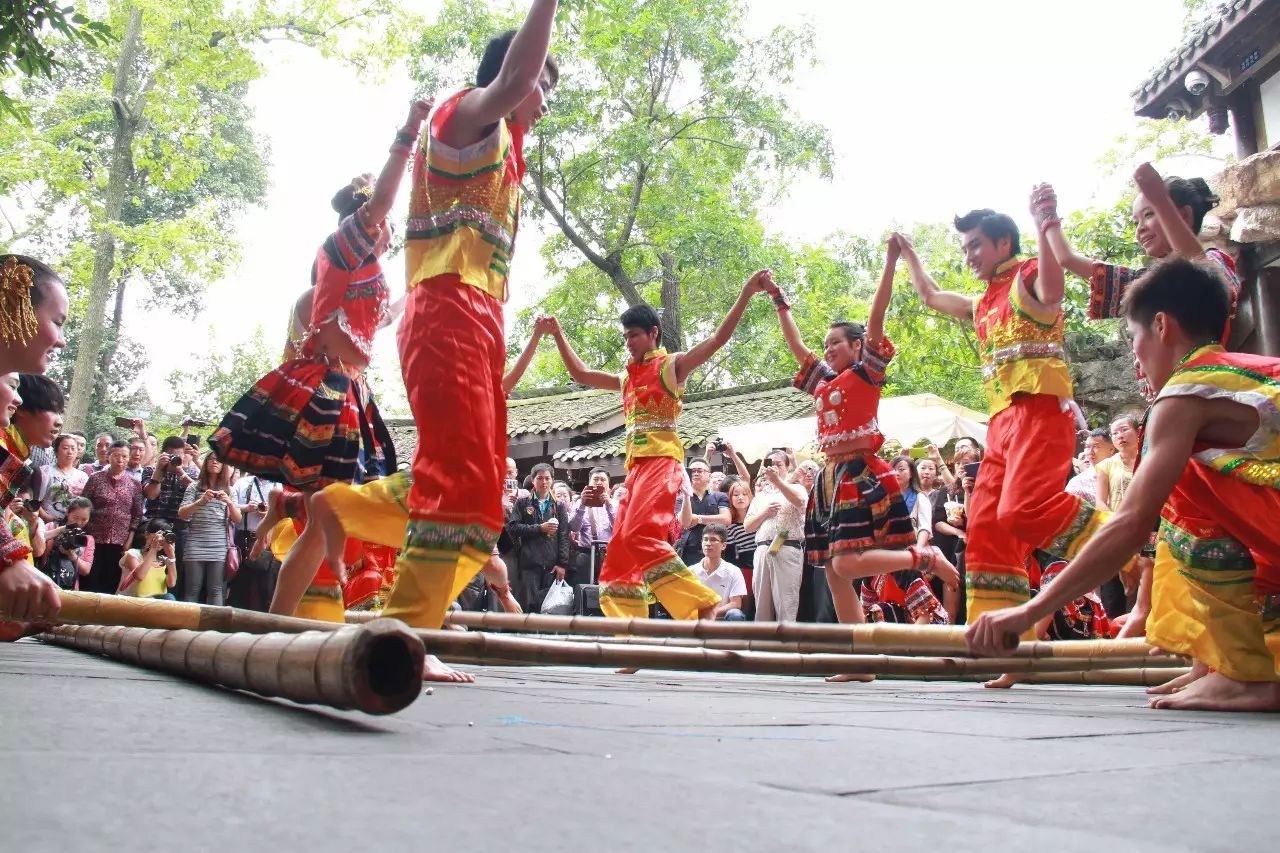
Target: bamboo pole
point(375, 668)
point(880, 637)
point(1137, 677)
point(1118, 662)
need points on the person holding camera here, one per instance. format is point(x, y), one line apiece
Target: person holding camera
point(540, 524)
point(150, 571)
point(256, 581)
point(707, 506)
point(592, 525)
point(22, 520)
point(209, 512)
point(117, 508)
point(69, 555)
point(62, 480)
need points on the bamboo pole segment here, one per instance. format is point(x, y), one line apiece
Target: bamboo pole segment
point(1117, 662)
point(375, 668)
point(475, 647)
point(880, 637)
point(1137, 677)
point(89, 608)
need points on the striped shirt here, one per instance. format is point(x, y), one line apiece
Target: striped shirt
point(207, 537)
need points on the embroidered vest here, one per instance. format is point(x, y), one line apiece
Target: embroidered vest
point(1212, 373)
point(465, 206)
point(847, 407)
point(1021, 344)
point(651, 405)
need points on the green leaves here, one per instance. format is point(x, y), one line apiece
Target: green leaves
point(25, 47)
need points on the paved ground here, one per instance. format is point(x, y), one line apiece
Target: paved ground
point(98, 755)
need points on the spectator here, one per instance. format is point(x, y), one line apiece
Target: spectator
point(22, 521)
point(166, 482)
point(722, 576)
point(1116, 472)
point(153, 449)
point(1097, 447)
point(591, 526)
point(905, 468)
point(776, 516)
point(149, 571)
point(716, 481)
point(949, 534)
point(619, 492)
point(62, 480)
point(706, 506)
point(513, 473)
point(137, 453)
point(80, 445)
point(69, 554)
point(37, 420)
point(966, 451)
point(101, 445)
point(255, 583)
point(926, 485)
point(564, 495)
point(210, 512)
point(117, 507)
point(740, 543)
point(541, 527)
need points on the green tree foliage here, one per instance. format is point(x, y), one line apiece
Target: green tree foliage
point(26, 47)
point(140, 153)
point(207, 390)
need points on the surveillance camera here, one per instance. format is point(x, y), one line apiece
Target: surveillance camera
point(1196, 82)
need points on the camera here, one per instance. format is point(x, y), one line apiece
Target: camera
point(1196, 82)
point(261, 507)
point(170, 537)
point(192, 422)
point(768, 462)
point(31, 505)
point(72, 537)
point(718, 444)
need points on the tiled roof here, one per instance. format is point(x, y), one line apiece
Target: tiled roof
point(704, 414)
point(557, 409)
point(1201, 38)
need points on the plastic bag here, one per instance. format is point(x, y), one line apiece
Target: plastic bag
point(559, 599)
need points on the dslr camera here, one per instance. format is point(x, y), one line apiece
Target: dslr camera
point(718, 444)
point(71, 538)
point(170, 537)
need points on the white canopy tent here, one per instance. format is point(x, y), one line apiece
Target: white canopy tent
point(906, 419)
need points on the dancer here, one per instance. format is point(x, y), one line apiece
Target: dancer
point(857, 524)
point(641, 562)
point(1208, 470)
point(1018, 502)
point(33, 309)
point(462, 226)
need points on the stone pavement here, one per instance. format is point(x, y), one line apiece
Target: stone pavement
point(102, 756)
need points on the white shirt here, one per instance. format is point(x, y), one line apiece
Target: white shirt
point(789, 519)
point(251, 490)
point(727, 579)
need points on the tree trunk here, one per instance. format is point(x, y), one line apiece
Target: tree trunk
point(672, 335)
point(104, 250)
point(113, 339)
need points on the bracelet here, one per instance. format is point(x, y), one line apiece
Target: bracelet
point(1049, 222)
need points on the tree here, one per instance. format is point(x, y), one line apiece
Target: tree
point(208, 391)
point(667, 132)
point(25, 47)
point(140, 154)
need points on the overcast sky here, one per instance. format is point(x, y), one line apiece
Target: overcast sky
point(913, 92)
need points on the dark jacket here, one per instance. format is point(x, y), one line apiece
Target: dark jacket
point(539, 552)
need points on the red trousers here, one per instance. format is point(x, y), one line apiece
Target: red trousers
point(452, 353)
point(1018, 503)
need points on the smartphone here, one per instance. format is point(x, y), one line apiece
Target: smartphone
point(768, 462)
point(918, 452)
point(124, 423)
point(971, 470)
point(193, 440)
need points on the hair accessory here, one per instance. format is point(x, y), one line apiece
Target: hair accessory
point(18, 322)
point(365, 192)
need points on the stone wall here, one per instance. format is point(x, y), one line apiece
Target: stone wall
point(1106, 382)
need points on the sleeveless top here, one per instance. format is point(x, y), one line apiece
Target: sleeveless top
point(651, 405)
point(1021, 343)
point(350, 288)
point(465, 205)
point(847, 402)
point(1212, 373)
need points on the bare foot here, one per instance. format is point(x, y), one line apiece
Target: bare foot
point(627, 670)
point(848, 676)
point(335, 536)
point(1004, 682)
point(1216, 692)
point(435, 670)
point(1198, 670)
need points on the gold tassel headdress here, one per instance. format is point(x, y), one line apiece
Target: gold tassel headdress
point(18, 322)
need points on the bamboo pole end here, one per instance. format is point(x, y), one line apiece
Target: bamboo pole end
point(387, 660)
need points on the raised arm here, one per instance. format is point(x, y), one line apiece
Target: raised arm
point(687, 362)
point(376, 209)
point(945, 301)
point(1182, 239)
point(1044, 209)
point(520, 74)
point(790, 331)
point(1049, 282)
point(578, 371)
point(541, 326)
point(884, 293)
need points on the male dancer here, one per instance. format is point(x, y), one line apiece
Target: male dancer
point(641, 562)
point(462, 225)
point(1018, 502)
point(1209, 471)
point(857, 523)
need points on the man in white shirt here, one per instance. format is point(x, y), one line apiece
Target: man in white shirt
point(725, 578)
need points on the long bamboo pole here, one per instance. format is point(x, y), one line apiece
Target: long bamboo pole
point(375, 668)
point(881, 637)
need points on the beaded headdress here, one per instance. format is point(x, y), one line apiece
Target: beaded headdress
point(18, 322)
